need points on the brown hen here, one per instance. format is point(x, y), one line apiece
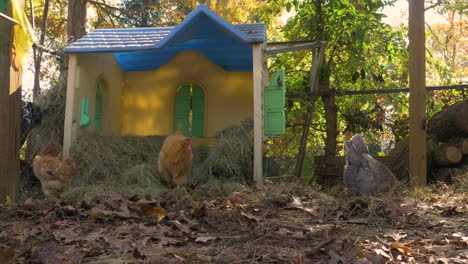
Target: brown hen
point(53, 173)
point(175, 158)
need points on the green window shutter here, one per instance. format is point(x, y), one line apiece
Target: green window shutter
point(275, 120)
point(84, 116)
point(182, 109)
point(198, 111)
point(98, 109)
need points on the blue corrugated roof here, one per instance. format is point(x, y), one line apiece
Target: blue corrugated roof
point(138, 49)
point(201, 20)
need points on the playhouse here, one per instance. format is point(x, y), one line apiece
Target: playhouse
point(204, 73)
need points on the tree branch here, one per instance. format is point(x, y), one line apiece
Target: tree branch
point(430, 29)
point(104, 7)
point(48, 50)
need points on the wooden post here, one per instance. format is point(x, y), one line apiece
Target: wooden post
point(417, 108)
point(10, 105)
point(317, 60)
point(258, 82)
point(69, 131)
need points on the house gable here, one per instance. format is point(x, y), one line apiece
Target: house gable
point(203, 23)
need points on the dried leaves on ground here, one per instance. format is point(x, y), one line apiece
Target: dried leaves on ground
point(279, 224)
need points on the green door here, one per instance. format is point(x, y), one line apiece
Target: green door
point(189, 110)
point(198, 111)
point(275, 121)
point(98, 108)
point(182, 109)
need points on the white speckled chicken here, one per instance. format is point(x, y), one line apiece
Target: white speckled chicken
point(363, 174)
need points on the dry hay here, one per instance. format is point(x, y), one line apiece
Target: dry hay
point(132, 160)
point(232, 155)
point(52, 104)
point(116, 159)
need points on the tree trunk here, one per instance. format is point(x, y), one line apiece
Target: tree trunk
point(331, 117)
point(446, 155)
point(38, 54)
point(76, 28)
point(76, 23)
point(451, 122)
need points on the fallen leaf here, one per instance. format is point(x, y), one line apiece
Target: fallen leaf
point(96, 213)
point(449, 212)
point(63, 223)
point(168, 241)
point(48, 253)
point(296, 203)
point(298, 235)
point(199, 211)
point(182, 227)
point(204, 239)
point(236, 197)
point(395, 208)
point(402, 249)
point(252, 217)
point(376, 259)
point(7, 255)
point(419, 249)
point(283, 232)
point(157, 211)
point(152, 253)
point(383, 252)
point(66, 236)
point(117, 242)
point(396, 236)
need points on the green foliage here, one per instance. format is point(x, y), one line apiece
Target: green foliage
point(363, 53)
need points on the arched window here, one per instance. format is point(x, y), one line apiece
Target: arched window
point(98, 106)
point(189, 110)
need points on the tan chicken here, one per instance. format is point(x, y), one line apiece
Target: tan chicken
point(175, 158)
point(53, 173)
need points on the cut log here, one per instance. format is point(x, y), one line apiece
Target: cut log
point(463, 145)
point(446, 155)
point(399, 158)
point(451, 122)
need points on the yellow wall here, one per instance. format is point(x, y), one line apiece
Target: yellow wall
point(148, 96)
point(91, 67)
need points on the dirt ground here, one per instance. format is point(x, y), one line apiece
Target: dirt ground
point(280, 223)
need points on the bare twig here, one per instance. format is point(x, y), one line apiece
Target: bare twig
point(320, 245)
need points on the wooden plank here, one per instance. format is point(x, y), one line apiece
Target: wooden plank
point(69, 133)
point(296, 47)
point(417, 108)
point(10, 102)
point(333, 166)
point(288, 43)
point(258, 114)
